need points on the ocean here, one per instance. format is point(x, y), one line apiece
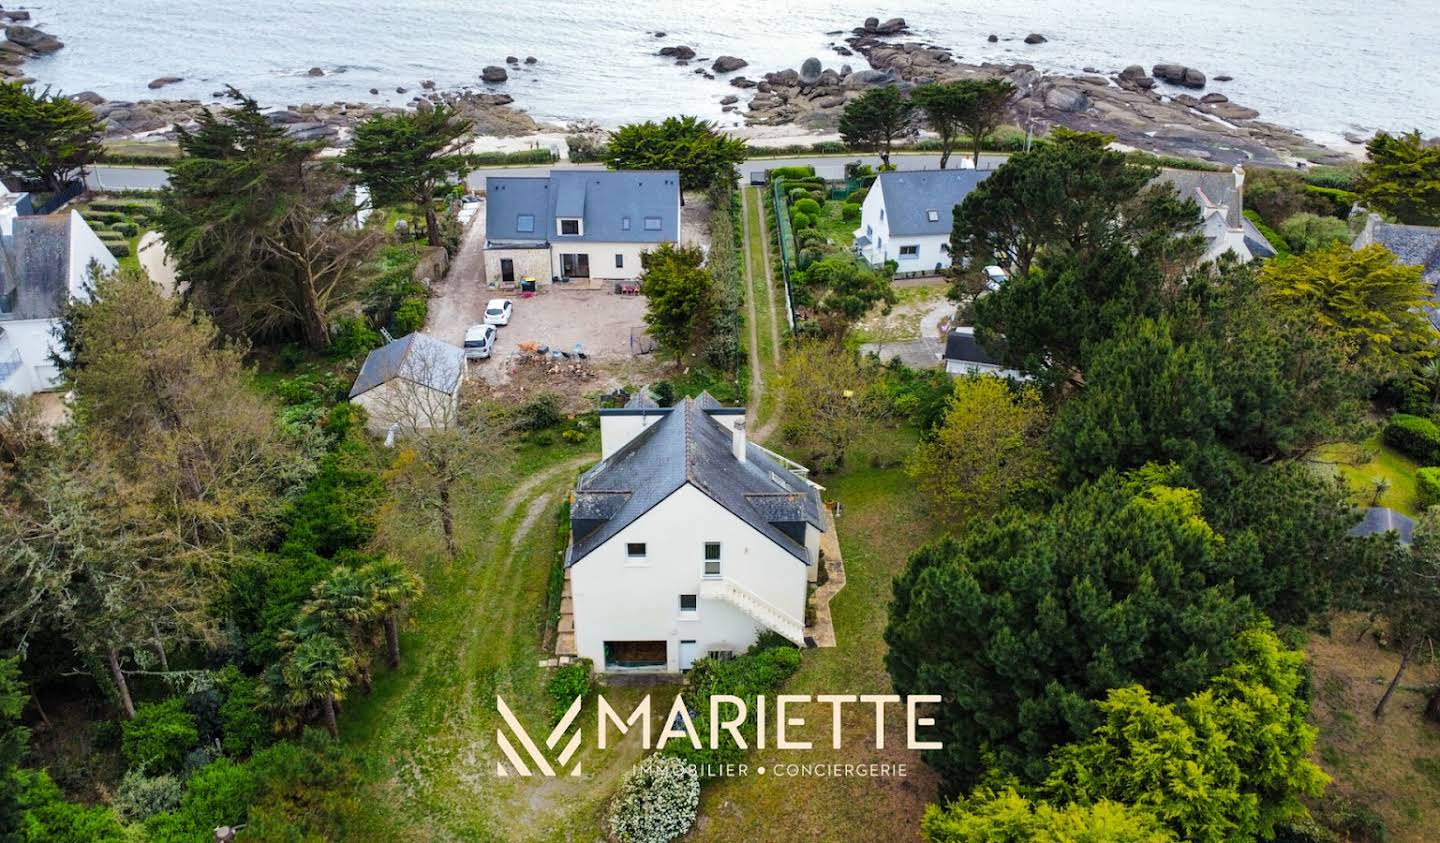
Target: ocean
point(1323, 67)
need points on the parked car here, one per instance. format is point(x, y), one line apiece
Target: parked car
point(994, 277)
point(497, 312)
point(480, 341)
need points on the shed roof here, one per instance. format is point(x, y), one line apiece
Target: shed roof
point(1381, 519)
point(689, 447)
point(911, 194)
point(962, 345)
point(613, 204)
point(415, 357)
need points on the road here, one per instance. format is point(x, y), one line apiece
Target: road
point(109, 177)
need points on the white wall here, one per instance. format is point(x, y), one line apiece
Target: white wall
point(966, 367)
point(35, 340)
point(874, 223)
point(407, 403)
point(621, 599)
point(884, 246)
point(86, 248)
point(618, 428)
point(602, 258)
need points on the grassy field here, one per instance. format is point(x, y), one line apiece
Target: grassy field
point(1362, 464)
point(765, 303)
point(424, 738)
point(834, 226)
point(882, 523)
point(1392, 766)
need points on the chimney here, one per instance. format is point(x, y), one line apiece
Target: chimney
point(1239, 171)
point(737, 440)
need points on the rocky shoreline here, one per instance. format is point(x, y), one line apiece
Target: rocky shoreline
point(1144, 111)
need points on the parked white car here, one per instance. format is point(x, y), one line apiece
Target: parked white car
point(497, 312)
point(994, 277)
point(480, 341)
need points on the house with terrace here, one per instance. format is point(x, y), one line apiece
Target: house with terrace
point(45, 262)
point(577, 225)
point(907, 216)
point(687, 541)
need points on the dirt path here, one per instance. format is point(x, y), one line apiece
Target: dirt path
point(775, 309)
point(752, 317)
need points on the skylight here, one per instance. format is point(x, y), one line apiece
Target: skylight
point(525, 222)
point(652, 223)
point(932, 215)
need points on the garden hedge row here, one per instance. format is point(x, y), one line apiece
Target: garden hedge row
point(1414, 436)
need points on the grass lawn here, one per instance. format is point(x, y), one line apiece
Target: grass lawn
point(1363, 463)
point(833, 224)
point(424, 738)
point(1390, 766)
point(106, 230)
point(881, 524)
point(768, 301)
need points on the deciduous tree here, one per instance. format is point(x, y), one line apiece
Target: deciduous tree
point(826, 396)
point(45, 137)
point(408, 157)
point(980, 106)
point(878, 118)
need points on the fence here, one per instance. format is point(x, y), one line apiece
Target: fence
point(786, 238)
point(52, 201)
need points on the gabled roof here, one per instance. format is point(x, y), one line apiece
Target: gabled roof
point(415, 357)
point(613, 204)
point(961, 345)
point(910, 195)
point(689, 447)
point(1209, 189)
point(1413, 245)
point(35, 268)
point(1380, 519)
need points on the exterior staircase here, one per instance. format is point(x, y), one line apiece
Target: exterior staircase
point(755, 606)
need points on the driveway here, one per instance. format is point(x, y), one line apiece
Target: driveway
point(458, 301)
point(922, 353)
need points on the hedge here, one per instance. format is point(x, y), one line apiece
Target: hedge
point(1414, 436)
point(527, 156)
point(1427, 482)
point(1279, 243)
point(1341, 201)
point(792, 172)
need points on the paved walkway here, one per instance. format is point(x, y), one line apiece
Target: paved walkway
point(822, 631)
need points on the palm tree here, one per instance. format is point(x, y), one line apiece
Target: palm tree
point(345, 604)
point(1430, 374)
point(394, 586)
point(318, 670)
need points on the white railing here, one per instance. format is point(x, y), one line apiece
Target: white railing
point(755, 606)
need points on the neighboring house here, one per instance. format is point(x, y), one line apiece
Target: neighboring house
point(907, 217)
point(965, 356)
point(1382, 519)
point(411, 384)
point(45, 261)
point(687, 540)
point(1413, 245)
point(1221, 197)
point(578, 224)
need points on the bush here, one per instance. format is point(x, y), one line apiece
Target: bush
point(1414, 436)
point(539, 413)
point(850, 211)
point(795, 194)
point(1305, 232)
point(792, 173)
point(1427, 481)
point(799, 220)
point(47, 817)
point(353, 337)
point(409, 316)
point(808, 207)
point(857, 196)
point(118, 248)
point(140, 797)
point(566, 683)
point(244, 727)
point(657, 802)
point(93, 215)
point(129, 229)
point(159, 736)
point(1338, 201)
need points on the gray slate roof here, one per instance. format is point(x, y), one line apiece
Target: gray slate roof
point(35, 268)
point(415, 357)
point(1413, 245)
point(910, 194)
point(1380, 519)
point(604, 199)
point(962, 346)
point(687, 446)
point(1208, 187)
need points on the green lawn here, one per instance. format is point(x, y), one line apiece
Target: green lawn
point(882, 523)
point(834, 226)
point(1361, 464)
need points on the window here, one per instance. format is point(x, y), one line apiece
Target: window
point(635, 550)
point(689, 602)
point(911, 252)
point(624, 223)
point(712, 559)
point(569, 226)
point(721, 655)
point(525, 223)
point(932, 215)
point(869, 231)
point(882, 214)
point(619, 261)
point(652, 223)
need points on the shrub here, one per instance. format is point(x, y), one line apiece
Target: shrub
point(104, 216)
point(568, 682)
point(857, 196)
point(792, 172)
point(1305, 232)
point(1428, 482)
point(797, 193)
point(46, 816)
point(1414, 436)
point(409, 316)
point(1337, 200)
point(159, 735)
point(353, 337)
point(1271, 235)
point(244, 728)
point(118, 248)
point(850, 211)
point(140, 796)
point(129, 229)
point(800, 220)
point(539, 413)
point(808, 207)
point(657, 802)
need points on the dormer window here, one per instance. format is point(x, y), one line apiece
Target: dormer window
point(525, 223)
point(932, 215)
point(624, 223)
point(570, 227)
point(652, 223)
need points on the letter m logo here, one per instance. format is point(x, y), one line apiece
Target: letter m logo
point(532, 751)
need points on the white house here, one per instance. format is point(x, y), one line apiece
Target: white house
point(965, 356)
point(687, 540)
point(410, 385)
point(578, 224)
point(1221, 197)
point(45, 261)
point(907, 216)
